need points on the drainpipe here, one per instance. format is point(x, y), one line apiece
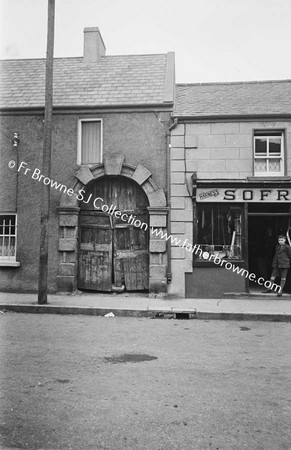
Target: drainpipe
point(168, 175)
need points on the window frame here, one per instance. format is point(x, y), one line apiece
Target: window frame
point(79, 150)
point(10, 261)
point(269, 134)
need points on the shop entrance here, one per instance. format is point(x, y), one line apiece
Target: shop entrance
point(265, 223)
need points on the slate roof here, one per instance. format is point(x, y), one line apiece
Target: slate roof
point(233, 99)
point(113, 80)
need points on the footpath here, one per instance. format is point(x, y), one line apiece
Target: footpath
point(266, 308)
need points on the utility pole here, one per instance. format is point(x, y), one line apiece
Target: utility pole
point(46, 158)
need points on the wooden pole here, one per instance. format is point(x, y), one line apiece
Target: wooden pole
point(46, 158)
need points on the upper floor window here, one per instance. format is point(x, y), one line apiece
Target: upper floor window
point(268, 153)
point(8, 233)
point(90, 141)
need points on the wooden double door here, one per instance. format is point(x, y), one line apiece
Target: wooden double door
point(113, 253)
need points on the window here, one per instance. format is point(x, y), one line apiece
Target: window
point(220, 231)
point(268, 153)
point(8, 227)
point(90, 141)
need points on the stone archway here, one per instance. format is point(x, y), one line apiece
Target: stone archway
point(113, 164)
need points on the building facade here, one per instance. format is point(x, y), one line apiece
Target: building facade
point(108, 179)
point(230, 185)
point(210, 173)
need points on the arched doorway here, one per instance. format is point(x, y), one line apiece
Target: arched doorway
point(113, 236)
point(114, 165)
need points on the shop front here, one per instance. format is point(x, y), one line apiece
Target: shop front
point(236, 224)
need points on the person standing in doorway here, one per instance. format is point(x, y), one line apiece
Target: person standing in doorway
point(281, 263)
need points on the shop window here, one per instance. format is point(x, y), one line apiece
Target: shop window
point(268, 153)
point(7, 238)
point(90, 141)
point(220, 231)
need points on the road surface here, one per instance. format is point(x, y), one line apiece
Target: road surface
point(81, 382)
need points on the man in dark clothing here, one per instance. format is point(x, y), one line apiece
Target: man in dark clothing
point(281, 263)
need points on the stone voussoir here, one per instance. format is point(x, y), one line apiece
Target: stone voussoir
point(141, 174)
point(157, 198)
point(84, 175)
point(113, 164)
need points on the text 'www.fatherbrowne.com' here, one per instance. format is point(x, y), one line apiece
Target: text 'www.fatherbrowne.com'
point(98, 204)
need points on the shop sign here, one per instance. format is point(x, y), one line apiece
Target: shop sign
point(243, 195)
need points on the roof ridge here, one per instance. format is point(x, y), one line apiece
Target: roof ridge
point(139, 54)
point(41, 59)
point(81, 57)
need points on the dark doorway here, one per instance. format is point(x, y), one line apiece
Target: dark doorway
point(265, 223)
point(113, 253)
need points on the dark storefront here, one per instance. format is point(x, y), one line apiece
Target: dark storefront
point(238, 222)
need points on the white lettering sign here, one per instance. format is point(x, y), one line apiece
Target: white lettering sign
point(268, 195)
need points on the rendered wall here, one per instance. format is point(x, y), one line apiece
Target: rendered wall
point(140, 137)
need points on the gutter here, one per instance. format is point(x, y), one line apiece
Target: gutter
point(230, 117)
point(84, 107)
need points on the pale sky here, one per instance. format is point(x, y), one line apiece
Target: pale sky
point(213, 40)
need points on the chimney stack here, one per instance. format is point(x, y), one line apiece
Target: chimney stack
point(94, 46)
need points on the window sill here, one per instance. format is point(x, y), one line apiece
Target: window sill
point(9, 264)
